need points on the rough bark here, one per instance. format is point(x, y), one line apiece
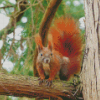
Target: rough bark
point(17, 85)
point(91, 63)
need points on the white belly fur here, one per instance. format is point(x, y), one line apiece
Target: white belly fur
point(46, 68)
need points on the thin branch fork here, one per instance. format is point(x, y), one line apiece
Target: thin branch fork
point(18, 85)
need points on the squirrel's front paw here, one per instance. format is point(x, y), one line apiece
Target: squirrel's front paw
point(40, 81)
point(48, 83)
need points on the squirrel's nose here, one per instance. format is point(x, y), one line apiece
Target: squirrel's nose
point(47, 60)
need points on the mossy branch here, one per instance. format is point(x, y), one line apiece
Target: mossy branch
point(18, 85)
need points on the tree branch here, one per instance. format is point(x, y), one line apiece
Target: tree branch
point(47, 19)
point(17, 85)
point(10, 27)
point(8, 6)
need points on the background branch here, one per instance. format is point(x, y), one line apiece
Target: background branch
point(10, 27)
point(8, 6)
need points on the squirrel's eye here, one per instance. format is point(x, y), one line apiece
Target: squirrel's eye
point(41, 54)
point(51, 54)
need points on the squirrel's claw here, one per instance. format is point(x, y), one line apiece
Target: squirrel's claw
point(48, 83)
point(41, 81)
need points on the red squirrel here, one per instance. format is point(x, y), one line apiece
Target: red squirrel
point(63, 52)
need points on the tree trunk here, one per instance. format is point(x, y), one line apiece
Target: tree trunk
point(91, 63)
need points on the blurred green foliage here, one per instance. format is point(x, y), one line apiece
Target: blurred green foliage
point(23, 63)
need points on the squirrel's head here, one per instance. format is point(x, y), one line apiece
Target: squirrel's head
point(45, 54)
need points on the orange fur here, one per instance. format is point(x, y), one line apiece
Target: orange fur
point(38, 40)
point(64, 41)
point(67, 41)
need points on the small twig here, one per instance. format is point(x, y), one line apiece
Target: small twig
point(43, 9)
point(32, 17)
point(75, 92)
point(8, 6)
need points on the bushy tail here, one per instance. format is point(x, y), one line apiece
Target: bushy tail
point(67, 41)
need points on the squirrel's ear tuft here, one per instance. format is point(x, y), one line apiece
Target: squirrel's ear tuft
point(39, 47)
point(38, 42)
point(50, 46)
